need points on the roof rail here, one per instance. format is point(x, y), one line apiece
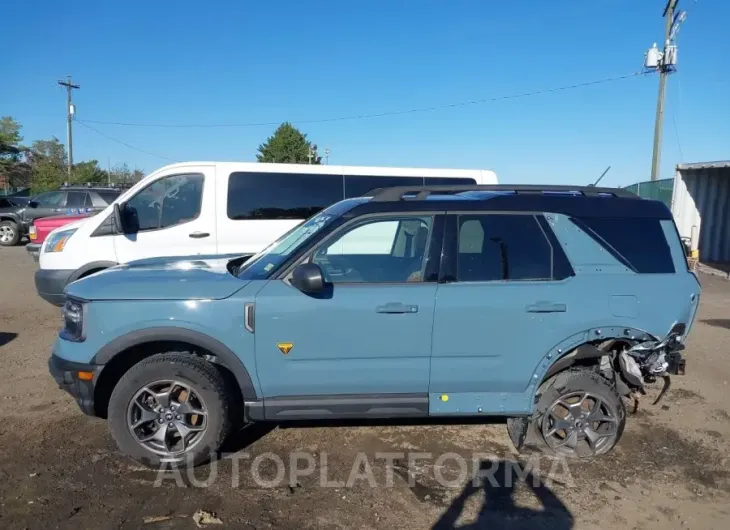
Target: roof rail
point(421, 192)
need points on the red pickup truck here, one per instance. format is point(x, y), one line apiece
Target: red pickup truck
point(40, 228)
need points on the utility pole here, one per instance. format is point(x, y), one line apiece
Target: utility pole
point(327, 156)
point(69, 118)
point(666, 64)
point(310, 154)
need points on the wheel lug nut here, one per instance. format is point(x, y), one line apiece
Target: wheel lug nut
point(178, 417)
point(161, 420)
point(170, 424)
point(173, 408)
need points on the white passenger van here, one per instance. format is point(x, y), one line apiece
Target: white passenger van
point(207, 208)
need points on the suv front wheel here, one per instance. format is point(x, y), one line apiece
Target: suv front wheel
point(170, 408)
point(9, 233)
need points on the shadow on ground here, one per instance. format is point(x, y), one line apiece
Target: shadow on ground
point(6, 338)
point(499, 509)
point(718, 322)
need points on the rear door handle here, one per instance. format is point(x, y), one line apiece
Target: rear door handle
point(199, 235)
point(396, 308)
point(546, 307)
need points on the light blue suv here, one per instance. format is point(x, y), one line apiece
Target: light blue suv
point(547, 306)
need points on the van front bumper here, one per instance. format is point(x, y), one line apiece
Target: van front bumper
point(66, 373)
point(34, 249)
point(50, 283)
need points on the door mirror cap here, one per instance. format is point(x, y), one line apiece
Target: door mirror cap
point(308, 278)
point(33, 204)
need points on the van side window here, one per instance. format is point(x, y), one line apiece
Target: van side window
point(359, 185)
point(167, 202)
point(502, 247)
point(280, 195)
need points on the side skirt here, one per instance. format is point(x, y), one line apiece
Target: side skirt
point(344, 406)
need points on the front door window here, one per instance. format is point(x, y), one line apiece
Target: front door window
point(381, 250)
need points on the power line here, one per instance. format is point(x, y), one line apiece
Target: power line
point(380, 114)
point(81, 122)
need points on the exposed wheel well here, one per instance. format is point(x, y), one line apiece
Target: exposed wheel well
point(124, 360)
point(586, 355)
point(90, 272)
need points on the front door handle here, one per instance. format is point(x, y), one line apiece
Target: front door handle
point(546, 307)
point(396, 308)
point(199, 235)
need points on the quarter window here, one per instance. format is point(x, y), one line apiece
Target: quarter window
point(166, 202)
point(638, 242)
point(502, 247)
point(379, 251)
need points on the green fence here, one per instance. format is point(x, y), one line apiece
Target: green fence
point(658, 190)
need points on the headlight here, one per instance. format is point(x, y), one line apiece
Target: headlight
point(73, 319)
point(57, 241)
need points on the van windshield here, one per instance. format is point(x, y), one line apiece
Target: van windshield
point(261, 265)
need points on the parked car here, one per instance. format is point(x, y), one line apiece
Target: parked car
point(543, 305)
point(40, 228)
point(215, 208)
point(70, 200)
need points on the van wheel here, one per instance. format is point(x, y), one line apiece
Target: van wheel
point(9, 234)
point(579, 414)
point(170, 408)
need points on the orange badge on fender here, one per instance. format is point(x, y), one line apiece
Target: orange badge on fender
point(284, 347)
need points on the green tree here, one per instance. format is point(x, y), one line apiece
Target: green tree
point(89, 171)
point(14, 171)
point(48, 165)
point(288, 145)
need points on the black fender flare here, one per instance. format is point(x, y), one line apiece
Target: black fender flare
point(11, 216)
point(78, 273)
point(224, 355)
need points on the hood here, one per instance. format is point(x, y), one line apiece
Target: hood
point(58, 220)
point(172, 278)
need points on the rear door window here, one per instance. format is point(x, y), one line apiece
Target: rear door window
point(502, 248)
point(76, 199)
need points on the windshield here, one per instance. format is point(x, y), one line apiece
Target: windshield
point(262, 264)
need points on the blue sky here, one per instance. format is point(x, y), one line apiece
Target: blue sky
point(244, 62)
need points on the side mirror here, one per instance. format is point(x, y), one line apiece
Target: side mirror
point(308, 278)
point(33, 204)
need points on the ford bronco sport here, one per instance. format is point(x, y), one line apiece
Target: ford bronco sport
point(548, 306)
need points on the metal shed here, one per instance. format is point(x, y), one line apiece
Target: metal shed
point(701, 208)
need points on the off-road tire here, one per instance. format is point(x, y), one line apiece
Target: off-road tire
point(571, 380)
point(16, 237)
point(202, 377)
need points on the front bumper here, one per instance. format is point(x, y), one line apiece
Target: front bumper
point(34, 249)
point(66, 374)
point(50, 283)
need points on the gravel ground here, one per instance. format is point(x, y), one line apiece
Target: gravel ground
point(60, 469)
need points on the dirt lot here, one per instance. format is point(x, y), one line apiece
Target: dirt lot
point(59, 469)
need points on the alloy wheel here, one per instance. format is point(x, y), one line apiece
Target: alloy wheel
point(6, 234)
point(167, 417)
point(580, 424)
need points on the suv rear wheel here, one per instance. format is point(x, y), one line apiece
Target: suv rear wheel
point(9, 233)
point(170, 408)
point(578, 414)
